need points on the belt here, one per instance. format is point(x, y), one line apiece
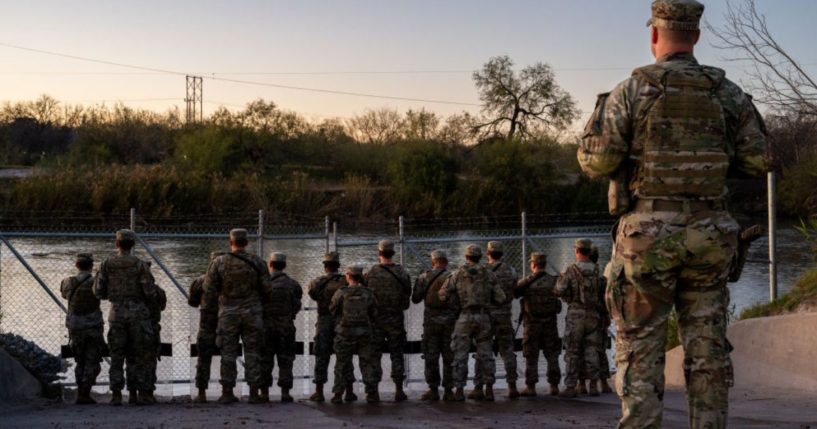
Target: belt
point(690, 206)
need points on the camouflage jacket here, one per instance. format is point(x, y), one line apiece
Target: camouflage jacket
point(581, 288)
point(610, 144)
point(474, 286)
point(392, 288)
point(126, 281)
point(539, 302)
point(427, 289)
point(359, 323)
point(323, 288)
point(283, 302)
point(507, 278)
point(83, 305)
point(234, 282)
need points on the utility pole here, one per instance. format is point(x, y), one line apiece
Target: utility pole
point(194, 99)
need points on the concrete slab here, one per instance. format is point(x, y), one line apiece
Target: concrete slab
point(16, 383)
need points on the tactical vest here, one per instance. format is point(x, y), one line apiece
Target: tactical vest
point(387, 289)
point(473, 289)
point(540, 302)
point(123, 278)
point(432, 299)
point(588, 288)
point(506, 278)
point(355, 308)
point(83, 301)
point(333, 283)
point(281, 304)
point(683, 135)
point(240, 279)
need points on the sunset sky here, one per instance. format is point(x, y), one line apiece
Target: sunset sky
point(413, 49)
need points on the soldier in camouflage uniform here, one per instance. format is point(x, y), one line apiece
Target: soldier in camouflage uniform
point(392, 288)
point(501, 323)
point(280, 309)
point(156, 308)
point(438, 325)
point(239, 280)
point(84, 323)
point(540, 306)
point(476, 289)
point(580, 287)
point(668, 137)
point(321, 290)
point(206, 337)
point(604, 363)
point(355, 309)
point(126, 282)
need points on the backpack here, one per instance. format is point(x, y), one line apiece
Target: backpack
point(355, 308)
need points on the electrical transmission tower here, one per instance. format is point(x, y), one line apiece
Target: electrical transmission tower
point(194, 99)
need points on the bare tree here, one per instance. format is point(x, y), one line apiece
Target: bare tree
point(379, 126)
point(516, 103)
point(777, 78)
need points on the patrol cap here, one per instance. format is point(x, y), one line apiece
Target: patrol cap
point(584, 243)
point(438, 254)
point(495, 246)
point(331, 257)
point(473, 250)
point(277, 257)
point(84, 257)
point(355, 270)
point(216, 254)
point(125, 234)
point(676, 15)
point(384, 245)
point(238, 234)
point(538, 258)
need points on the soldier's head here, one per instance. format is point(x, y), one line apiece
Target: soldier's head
point(277, 261)
point(584, 247)
point(495, 251)
point(594, 254)
point(125, 240)
point(238, 239)
point(354, 274)
point(674, 26)
point(538, 262)
point(84, 261)
point(439, 259)
point(473, 253)
point(385, 250)
point(331, 262)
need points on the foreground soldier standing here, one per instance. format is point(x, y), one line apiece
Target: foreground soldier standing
point(438, 325)
point(321, 290)
point(126, 282)
point(355, 308)
point(668, 137)
point(156, 308)
point(476, 288)
point(604, 363)
point(392, 288)
point(238, 280)
point(280, 309)
point(206, 337)
point(84, 323)
point(539, 310)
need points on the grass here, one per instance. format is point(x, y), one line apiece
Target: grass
point(804, 294)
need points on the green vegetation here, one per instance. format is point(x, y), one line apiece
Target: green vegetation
point(804, 295)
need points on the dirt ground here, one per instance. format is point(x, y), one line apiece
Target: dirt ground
point(748, 410)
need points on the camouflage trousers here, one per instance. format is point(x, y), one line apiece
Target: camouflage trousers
point(661, 260)
point(324, 344)
point(206, 343)
point(503, 333)
point(436, 344)
point(542, 335)
point(346, 346)
point(131, 340)
point(472, 327)
point(278, 345)
point(582, 344)
point(156, 343)
point(244, 323)
point(88, 346)
point(390, 335)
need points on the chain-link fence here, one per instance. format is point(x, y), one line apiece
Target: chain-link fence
point(34, 259)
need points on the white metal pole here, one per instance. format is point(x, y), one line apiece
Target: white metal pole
point(772, 193)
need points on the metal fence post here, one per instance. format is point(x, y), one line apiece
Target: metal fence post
point(402, 241)
point(261, 233)
point(326, 231)
point(335, 234)
point(772, 194)
point(524, 244)
point(133, 219)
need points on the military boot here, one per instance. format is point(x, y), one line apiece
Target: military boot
point(84, 395)
point(594, 389)
point(133, 397)
point(337, 398)
point(459, 395)
point(554, 389)
point(146, 397)
point(448, 395)
point(431, 395)
point(255, 396)
point(477, 394)
point(512, 392)
point(582, 387)
point(227, 396)
point(569, 392)
point(529, 392)
point(285, 396)
point(318, 395)
point(605, 387)
point(264, 394)
point(116, 397)
point(350, 395)
point(489, 392)
point(373, 397)
point(399, 394)
point(201, 398)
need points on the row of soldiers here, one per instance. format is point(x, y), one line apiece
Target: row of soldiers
point(243, 299)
